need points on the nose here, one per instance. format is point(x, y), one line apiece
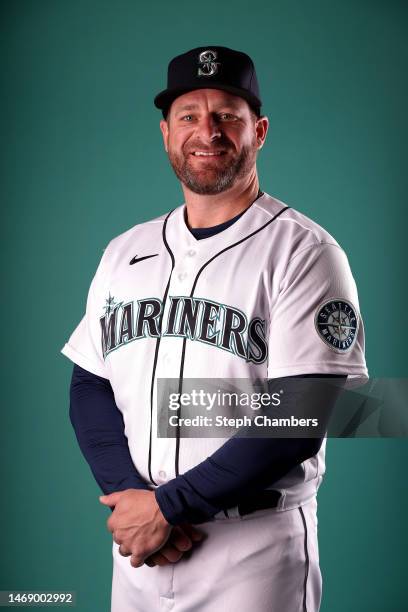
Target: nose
point(209, 128)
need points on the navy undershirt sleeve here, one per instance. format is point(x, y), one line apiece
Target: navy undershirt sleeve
point(99, 428)
point(245, 465)
point(237, 469)
point(240, 467)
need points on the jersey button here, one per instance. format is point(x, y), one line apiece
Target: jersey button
point(162, 474)
point(182, 276)
point(191, 253)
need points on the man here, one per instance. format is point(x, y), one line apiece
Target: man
point(233, 284)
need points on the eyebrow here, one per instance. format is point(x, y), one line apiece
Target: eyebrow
point(194, 106)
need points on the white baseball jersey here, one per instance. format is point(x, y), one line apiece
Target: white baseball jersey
point(270, 296)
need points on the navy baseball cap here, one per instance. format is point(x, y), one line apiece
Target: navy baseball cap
point(211, 67)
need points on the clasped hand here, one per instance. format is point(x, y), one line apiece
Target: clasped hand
point(142, 532)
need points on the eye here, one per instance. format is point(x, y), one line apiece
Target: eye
point(187, 118)
point(228, 117)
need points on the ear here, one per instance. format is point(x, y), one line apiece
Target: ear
point(164, 127)
point(261, 128)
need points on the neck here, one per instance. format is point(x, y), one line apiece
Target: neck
point(210, 210)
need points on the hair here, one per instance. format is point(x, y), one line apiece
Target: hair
point(256, 111)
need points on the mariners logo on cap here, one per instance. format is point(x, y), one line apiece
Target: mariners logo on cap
point(208, 66)
point(336, 322)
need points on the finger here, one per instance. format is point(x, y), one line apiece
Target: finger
point(149, 562)
point(180, 540)
point(110, 500)
point(136, 561)
point(156, 559)
point(194, 534)
point(109, 524)
point(170, 553)
point(125, 552)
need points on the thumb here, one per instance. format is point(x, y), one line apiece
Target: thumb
point(110, 500)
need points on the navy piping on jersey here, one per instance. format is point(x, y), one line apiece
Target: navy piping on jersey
point(306, 560)
point(156, 352)
point(180, 388)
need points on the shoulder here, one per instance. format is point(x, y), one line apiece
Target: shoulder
point(293, 223)
point(293, 230)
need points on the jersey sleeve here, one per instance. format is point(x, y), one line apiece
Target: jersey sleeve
point(84, 345)
point(315, 323)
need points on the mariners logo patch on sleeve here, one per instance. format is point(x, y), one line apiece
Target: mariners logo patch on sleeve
point(337, 322)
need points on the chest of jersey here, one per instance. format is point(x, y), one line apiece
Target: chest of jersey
point(221, 306)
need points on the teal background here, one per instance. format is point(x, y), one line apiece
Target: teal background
point(82, 160)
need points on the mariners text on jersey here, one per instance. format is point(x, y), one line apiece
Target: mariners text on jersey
point(195, 318)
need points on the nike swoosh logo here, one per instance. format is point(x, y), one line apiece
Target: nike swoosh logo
point(136, 259)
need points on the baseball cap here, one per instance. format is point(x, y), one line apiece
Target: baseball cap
point(211, 67)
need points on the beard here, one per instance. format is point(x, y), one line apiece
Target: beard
point(214, 175)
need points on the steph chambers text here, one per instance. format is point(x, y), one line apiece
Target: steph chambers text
point(237, 422)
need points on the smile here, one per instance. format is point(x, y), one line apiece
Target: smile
point(208, 154)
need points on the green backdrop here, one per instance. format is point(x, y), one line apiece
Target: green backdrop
point(82, 160)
